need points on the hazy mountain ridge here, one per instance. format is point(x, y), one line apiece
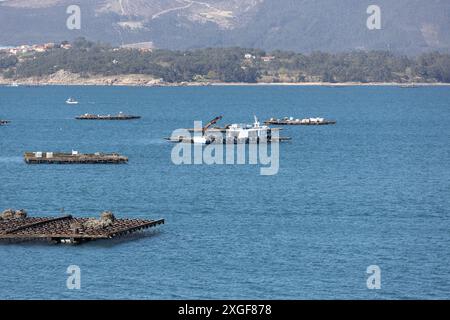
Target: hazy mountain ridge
point(408, 26)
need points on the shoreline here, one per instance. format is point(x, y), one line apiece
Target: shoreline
point(225, 84)
point(336, 84)
point(146, 81)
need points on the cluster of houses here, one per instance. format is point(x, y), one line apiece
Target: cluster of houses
point(141, 46)
point(25, 48)
point(249, 56)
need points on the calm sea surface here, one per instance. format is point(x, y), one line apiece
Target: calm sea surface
point(372, 190)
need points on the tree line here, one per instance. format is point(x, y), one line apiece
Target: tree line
point(229, 64)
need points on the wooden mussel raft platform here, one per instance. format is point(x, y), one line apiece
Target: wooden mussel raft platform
point(73, 158)
point(17, 226)
point(226, 140)
point(119, 116)
point(299, 122)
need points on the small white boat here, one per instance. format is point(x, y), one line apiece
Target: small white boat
point(71, 101)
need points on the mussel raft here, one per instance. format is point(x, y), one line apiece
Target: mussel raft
point(15, 225)
point(73, 158)
point(119, 116)
point(299, 122)
point(228, 140)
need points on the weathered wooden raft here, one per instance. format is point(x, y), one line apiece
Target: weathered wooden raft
point(70, 158)
point(298, 122)
point(119, 116)
point(67, 229)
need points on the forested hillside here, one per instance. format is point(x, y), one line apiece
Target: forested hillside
point(228, 64)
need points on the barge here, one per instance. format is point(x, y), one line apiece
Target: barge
point(231, 134)
point(299, 122)
point(17, 226)
point(73, 158)
point(119, 116)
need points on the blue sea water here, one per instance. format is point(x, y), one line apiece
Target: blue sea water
point(374, 189)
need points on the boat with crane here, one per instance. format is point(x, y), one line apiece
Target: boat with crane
point(236, 133)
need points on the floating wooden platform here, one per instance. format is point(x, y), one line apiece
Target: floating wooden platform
point(299, 122)
point(73, 158)
point(67, 229)
point(119, 116)
point(211, 140)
